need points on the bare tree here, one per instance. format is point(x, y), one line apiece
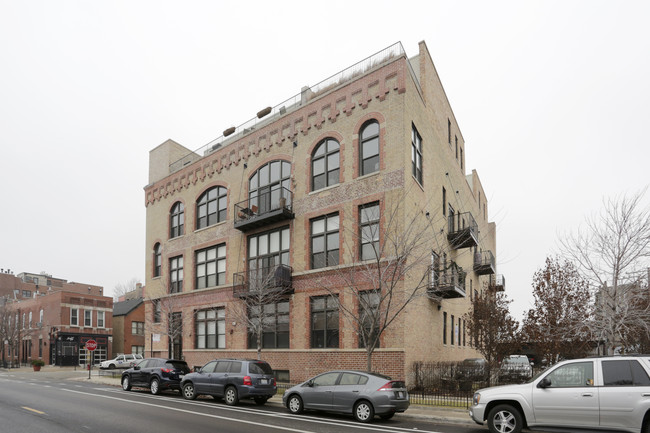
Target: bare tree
point(558, 324)
point(612, 251)
point(492, 330)
point(122, 289)
point(261, 292)
point(386, 274)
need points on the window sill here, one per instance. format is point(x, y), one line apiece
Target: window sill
point(327, 188)
point(212, 226)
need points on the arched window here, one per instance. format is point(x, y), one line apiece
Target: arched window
point(211, 207)
point(157, 259)
point(325, 164)
point(177, 220)
point(369, 148)
point(269, 185)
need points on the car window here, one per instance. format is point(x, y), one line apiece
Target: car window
point(327, 379)
point(177, 365)
point(222, 367)
point(235, 367)
point(129, 357)
point(572, 375)
point(259, 368)
point(209, 367)
point(143, 364)
point(624, 373)
point(353, 379)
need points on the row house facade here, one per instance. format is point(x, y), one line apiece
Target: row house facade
point(53, 322)
point(294, 199)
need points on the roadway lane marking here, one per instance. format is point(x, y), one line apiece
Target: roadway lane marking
point(239, 410)
point(33, 410)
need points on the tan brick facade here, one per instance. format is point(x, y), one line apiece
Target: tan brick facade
point(397, 93)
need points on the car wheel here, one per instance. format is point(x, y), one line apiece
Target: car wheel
point(504, 419)
point(188, 391)
point(646, 425)
point(387, 415)
point(260, 400)
point(155, 386)
point(294, 404)
point(231, 396)
point(126, 383)
point(111, 367)
point(363, 411)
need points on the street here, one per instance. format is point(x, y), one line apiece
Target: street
point(62, 403)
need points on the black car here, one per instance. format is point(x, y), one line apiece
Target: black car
point(156, 374)
point(232, 380)
point(473, 369)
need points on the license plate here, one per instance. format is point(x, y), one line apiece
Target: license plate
point(400, 394)
point(264, 381)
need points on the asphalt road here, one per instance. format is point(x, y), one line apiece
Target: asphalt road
point(56, 404)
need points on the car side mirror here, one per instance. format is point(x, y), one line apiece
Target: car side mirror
point(544, 383)
point(310, 383)
point(137, 367)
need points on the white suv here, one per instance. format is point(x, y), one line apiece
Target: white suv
point(604, 393)
point(121, 361)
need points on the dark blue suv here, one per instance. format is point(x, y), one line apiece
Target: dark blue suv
point(156, 374)
point(232, 380)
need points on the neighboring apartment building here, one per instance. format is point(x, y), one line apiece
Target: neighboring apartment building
point(128, 326)
point(54, 321)
point(282, 197)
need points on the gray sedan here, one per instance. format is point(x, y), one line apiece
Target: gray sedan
point(361, 394)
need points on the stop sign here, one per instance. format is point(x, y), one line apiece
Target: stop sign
point(91, 345)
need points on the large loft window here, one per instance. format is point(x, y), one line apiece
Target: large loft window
point(211, 267)
point(325, 241)
point(176, 274)
point(369, 314)
point(211, 329)
point(369, 231)
point(211, 207)
point(275, 325)
point(268, 185)
point(265, 252)
point(325, 164)
point(369, 147)
point(177, 220)
point(416, 154)
point(324, 322)
point(157, 260)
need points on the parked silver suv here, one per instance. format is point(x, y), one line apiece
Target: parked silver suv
point(603, 393)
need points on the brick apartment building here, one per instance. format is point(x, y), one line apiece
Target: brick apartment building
point(298, 195)
point(51, 319)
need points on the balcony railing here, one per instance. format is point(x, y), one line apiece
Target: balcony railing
point(462, 231)
point(267, 281)
point(484, 263)
point(267, 207)
point(497, 283)
point(447, 283)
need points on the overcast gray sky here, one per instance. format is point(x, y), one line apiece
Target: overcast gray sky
point(552, 98)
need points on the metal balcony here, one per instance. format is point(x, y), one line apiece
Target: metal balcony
point(274, 280)
point(497, 283)
point(448, 283)
point(462, 231)
point(484, 263)
point(268, 207)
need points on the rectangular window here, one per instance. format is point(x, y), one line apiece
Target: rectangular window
point(74, 317)
point(451, 335)
point(449, 131)
point(369, 231)
point(137, 328)
point(27, 294)
point(101, 316)
point(456, 137)
point(444, 201)
point(40, 347)
point(416, 154)
point(266, 251)
point(444, 327)
point(137, 350)
point(275, 325)
point(324, 322)
point(461, 158)
point(88, 318)
point(325, 241)
point(369, 314)
point(157, 310)
point(211, 267)
point(176, 274)
point(211, 329)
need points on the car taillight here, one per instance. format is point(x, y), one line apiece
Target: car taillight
point(248, 381)
point(387, 387)
point(274, 384)
point(166, 370)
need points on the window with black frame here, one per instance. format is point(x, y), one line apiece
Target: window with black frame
point(211, 207)
point(369, 148)
point(325, 241)
point(275, 325)
point(177, 220)
point(325, 164)
point(324, 322)
point(211, 328)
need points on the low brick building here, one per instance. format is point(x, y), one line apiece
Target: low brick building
point(128, 327)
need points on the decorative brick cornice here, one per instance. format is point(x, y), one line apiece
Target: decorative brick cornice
point(355, 95)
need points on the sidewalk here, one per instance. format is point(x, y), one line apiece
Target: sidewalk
point(431, 413)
